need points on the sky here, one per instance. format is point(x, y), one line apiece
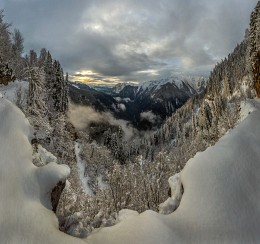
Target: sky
point(111, 41)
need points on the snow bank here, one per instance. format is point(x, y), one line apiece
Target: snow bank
point(220, 202)
point(24, 188)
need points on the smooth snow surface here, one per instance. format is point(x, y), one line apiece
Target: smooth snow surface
point(221, 201)
point(126, 214)
point(24, 188)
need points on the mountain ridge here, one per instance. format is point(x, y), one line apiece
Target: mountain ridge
point(161, 97)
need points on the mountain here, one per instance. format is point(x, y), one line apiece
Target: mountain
point(159, 98)
point(120, 86)
point(83, 94)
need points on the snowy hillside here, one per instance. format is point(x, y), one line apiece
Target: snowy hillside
point(220, 201)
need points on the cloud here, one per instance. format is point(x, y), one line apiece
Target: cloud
point(149, 116)
point(126, 126)
point(82, 116)
point(121, 106)
point(124, 40)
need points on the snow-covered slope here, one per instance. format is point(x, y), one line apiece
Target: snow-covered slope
point(25, 189)
point(220, 202)
point(221, 197)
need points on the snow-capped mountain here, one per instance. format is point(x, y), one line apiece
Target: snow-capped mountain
point(120, 86)
point(195, 84)
point(191, 84)
point(161, 98)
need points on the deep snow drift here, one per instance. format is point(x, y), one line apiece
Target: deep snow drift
point(220, 202)
point(24, 188)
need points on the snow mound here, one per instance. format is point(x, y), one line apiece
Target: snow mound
point(221, 197)
point(173, 202)
point(25, 215)
point(126, 214)
point(193, 82)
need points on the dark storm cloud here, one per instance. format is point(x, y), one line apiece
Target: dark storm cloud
point(131, 39)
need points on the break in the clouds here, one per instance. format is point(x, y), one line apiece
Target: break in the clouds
point(110, 41)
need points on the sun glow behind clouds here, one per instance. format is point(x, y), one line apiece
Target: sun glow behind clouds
point(132, 40)
point(86, 73)
point(152, 72)
point(93, 78)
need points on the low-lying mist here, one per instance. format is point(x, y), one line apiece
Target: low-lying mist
point(83, 116)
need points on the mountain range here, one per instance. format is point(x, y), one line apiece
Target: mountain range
point(145, 105)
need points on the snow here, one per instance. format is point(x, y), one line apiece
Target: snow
point(84, 178)
point(172, 203)
point(220, 203)
point(42, 156)
point(221, 197)
point(246, 109)
point(25, 189)
point(190, 81)
point(16, 92)
point(126, 214)
point(76, 86)
point(120, 86)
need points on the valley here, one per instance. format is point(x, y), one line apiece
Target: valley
point(146, 106)
point(125, 148)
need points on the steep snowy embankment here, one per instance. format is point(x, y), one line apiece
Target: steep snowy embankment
point(221, 196)
point(25, 189)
